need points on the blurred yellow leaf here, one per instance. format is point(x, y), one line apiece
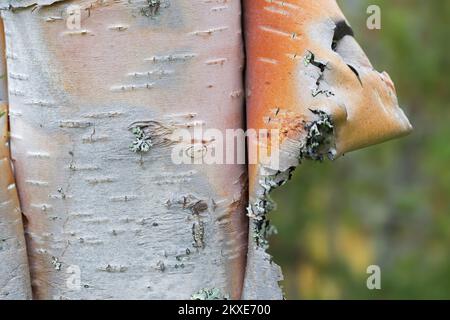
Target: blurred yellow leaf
point(355, 248)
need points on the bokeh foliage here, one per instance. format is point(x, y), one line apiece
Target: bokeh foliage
point(387, 205)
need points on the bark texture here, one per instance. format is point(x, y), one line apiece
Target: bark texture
point(134, 225)
point(14, 273)
point(108, 220)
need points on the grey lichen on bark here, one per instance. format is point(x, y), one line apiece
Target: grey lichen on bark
point(209, 294)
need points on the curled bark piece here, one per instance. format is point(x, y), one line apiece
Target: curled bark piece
point(308, 78)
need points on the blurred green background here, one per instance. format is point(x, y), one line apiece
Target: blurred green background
point(387, 205)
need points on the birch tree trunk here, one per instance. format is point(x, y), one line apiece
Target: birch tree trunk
point(94, 108)
point(14, 273)
point(134, 224)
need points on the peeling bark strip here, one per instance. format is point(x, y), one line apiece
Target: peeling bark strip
point(14, 271)
point(134, 72)
point(307, 77)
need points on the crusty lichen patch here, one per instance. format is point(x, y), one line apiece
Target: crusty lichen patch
point(56, 263)
point(320, 138)
point(209, 294)
point(142, 142)
point(263, 205)
point(152, 7)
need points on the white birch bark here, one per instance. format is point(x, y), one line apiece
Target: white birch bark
point(14, 272)
point(136, 226)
